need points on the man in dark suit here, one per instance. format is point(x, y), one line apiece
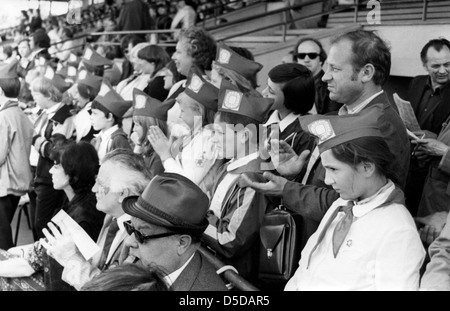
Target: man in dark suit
point(134, 16)
point(168, 220)
point(358, 66)
point(430, 98)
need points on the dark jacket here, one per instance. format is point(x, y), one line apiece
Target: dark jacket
point(313, 199)
point(199, 275)
point(434, 118)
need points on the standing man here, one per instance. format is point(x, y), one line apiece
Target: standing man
point(358, 66)
point(430, 98)
point(16, 134)
point(134, 16)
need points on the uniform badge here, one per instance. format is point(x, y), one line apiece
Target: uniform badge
point(196, 83)
point(82, 75)
point(232, 100)
point(72, 71)
point(349, 243)
point(88, 54)
point(49, 73)
point(322, 129)
point(72, 58)
point(41, 61)
point(103, 90)
point(224, 56)
point(140, 102)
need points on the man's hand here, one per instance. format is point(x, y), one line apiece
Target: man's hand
point(59, 245)
point(433, 225)
point(274, 186)
point(429, 147)
point(285, 160)
point(159, 141)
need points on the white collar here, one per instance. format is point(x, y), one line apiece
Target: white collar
point(121, 219)
point(172, 277)
point(365, 206)
point(345, 110)
point(234, 164)
point(108, 132)
point(275, 118)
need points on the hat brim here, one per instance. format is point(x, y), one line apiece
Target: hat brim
point(132, 207)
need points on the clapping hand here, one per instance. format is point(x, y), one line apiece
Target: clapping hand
point(159, 142)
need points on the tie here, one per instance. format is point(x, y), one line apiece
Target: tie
point(343, 227)
point(112, 230)
point(339, 234)
point(49, 129)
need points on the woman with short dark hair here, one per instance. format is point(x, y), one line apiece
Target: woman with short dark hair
point(292, 88)
point(75, 167)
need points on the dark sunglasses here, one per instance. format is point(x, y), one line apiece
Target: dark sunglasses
point(310, 55)
point(141, 238)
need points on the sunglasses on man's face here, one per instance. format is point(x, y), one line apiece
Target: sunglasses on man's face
point(310, 55)
point(141, 238)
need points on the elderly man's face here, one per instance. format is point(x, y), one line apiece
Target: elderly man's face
point(160, 251)
point(344, 83)
point(182, 59)
point(109, 189)
point(438, 66)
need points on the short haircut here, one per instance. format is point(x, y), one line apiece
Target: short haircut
point(368, 48)
point(297, 84)
point(80, 162)
point(10, 87)
point(106, 112)
point(154, 54)
point(41, 39)
point(139, 175)
point(437, 44)
point(46, 88)
point(200, 45)
point(322, 53)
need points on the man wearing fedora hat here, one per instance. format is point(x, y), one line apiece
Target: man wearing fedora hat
point(167, 221)
point(121, 174)
point(16, 133)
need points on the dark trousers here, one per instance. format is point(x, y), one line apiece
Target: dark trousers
point(48, 200)
point(8, 206)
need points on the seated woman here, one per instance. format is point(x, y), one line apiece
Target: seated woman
point(150, 62)
point(367, 239)
point(292, 88)
point(74, 171)
point(148, 112)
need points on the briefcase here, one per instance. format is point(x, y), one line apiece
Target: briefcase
point(280, 248)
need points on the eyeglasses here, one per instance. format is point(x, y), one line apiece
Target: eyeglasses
point(310, 55)
point(141, 238)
